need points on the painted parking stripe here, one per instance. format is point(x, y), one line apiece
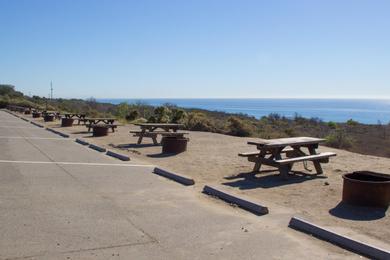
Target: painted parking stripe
point(78, 163)
point(23, 127)
point(32, 137)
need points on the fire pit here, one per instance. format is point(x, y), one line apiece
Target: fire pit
point(48, 118)
point(36, 114)
point(66, 122)
point(364, 188)
point(100, 130)
point(174, 144)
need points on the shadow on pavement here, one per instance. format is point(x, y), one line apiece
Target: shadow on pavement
point(249, 180)
point(350, 212)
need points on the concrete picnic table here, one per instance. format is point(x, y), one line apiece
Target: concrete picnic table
point(292, 148)
point(149, 130)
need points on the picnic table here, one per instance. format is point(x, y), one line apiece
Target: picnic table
point(149, 130)
point(79, 117)
point(105, 120)
point(91, 122)
point(284, 152)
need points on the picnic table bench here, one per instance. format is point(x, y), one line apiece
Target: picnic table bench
point(149, 130)
point(291, 148)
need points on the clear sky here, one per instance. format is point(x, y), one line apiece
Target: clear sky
point(195, 49)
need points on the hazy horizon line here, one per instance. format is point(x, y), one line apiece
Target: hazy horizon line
point(341, 98)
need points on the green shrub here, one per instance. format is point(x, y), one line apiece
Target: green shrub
point(352, 122)
point(339, 139)
point(332, 125)
point(238, 127)
point(133, 115)
point(199, 122)
point(289, 132)
point(122, 110)
point(178, 115)
point(162, 114)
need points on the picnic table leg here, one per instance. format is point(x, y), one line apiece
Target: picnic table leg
point(317, 164)
point(257, 166)
point(140, 139)
point(283, 169)
point(154, 138)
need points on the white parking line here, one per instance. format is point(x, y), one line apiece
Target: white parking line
point(27, 127)
point(6, 121)
point(78, 163)
point(35, 137)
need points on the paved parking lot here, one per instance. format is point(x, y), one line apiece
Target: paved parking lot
point(61, 200)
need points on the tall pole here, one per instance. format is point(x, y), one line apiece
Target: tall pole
point(51, 90)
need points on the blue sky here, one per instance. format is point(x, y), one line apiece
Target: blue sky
point(195, 49)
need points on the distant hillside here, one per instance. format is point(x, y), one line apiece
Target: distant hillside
point(351, 135)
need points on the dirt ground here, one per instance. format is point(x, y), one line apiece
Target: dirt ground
point(212, 159)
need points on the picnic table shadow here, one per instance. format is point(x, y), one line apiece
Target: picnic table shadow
point(81, 132)
point(127, 146)
point(350, 212)
point(161, 155)
point(250, 180)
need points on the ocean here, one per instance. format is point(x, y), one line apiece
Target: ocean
point(367, 111)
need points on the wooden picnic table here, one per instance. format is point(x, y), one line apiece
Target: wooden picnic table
point(105, 120)
point(79, 117)
point(71, 115)
point(149, 130)
point(284, 152)
point(165, 126)
point(91, 122)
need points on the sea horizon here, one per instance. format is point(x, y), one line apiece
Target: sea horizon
point(363, 110)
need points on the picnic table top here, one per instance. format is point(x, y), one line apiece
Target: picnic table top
point(100, 118)
point(283, 142)
point(74, 114)
point(159, 124)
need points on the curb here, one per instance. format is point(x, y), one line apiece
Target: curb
point(25, 119)
point(343, 241)
point(174, 176)
point(57, 132)
point(49, 129)
point(80, 141)
point(118, 156)
point(244, 203)
point(36, 124)
point(97, 148)
point(62, 134)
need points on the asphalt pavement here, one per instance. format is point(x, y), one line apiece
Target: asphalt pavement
point(62, 200)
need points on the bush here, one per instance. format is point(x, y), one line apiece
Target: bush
point(289, 132)
point(122, 110)
point(238, 127)
point(4, 101)
point(133, 115)
point(339, 139)
point(162, 114)
point(332, 125)
point(199, 122)
point(352, 122)
point(177, 115)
